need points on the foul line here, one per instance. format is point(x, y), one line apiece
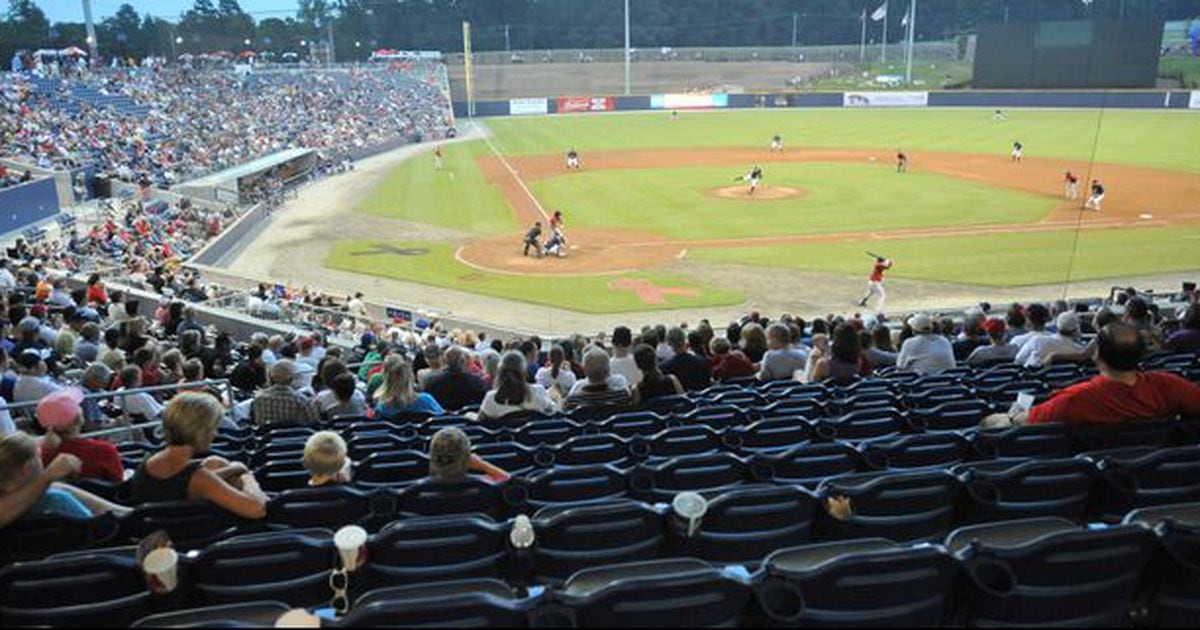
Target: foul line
point(512, 171)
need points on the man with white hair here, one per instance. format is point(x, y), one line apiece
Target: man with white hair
point(281, 403)
point(1039, 349)
point(600, 389)
point(925, 352)
point(455, 387)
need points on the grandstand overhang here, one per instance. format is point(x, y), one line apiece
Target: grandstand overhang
point(232, 184)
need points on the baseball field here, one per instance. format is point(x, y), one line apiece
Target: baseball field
point(655, 219)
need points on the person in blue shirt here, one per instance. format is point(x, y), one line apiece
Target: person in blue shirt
point(398, 395)
point(26, 487)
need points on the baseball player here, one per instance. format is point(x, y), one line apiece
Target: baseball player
point(1071, 185)
point(437, 158)
point(1017, 151)
point(572, 160)
point(557, 245)
point(999, 115)
point(901, 162)
point(556, 221)
point(875, 283)
point(777, 144)
point(754, 178)
point(1093, 202)
point(533, 238)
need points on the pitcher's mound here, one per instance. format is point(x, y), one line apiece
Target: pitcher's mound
point(764, 193)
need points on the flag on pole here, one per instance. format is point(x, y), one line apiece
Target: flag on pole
point(904, 20)
point(880, 13)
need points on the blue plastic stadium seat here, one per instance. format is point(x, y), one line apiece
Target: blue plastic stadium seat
point(1031, 440)
point(670, 404)
point(697, 473)
point(657, 593)
point(550, 432)
point(903, 507)
point(558, 486)
point(38, 536)
point(573, 538)
point(1172, 582)
point(791, 408)
point(363, 445)
point(744, 525)
point(587, 450)
point(190, 524)
point(633, 423)
point(765, 436)
point(865, 424)
point(1160, 433)
point(1050, 571)
point(435, 498)
point(864, 401)
point(1008, 489)
point(330, 507)
point(478, 603)
point(1144, 477)
point(869, 582)
point(246, 615)
point(686, 440)
point(282, 475)
point(392, 468)
point(73, 592)
point(956, 415)
point(289, 566)
point(714, 416)
point(515, 459)
point(432, 549)
point(918, 451)
point(810, 464)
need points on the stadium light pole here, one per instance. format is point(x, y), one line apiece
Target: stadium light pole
point(912, 29)
point(93, 46)
point(628, 56)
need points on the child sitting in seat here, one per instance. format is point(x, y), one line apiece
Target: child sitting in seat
point(325, 459)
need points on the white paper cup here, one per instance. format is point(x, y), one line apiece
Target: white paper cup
point(691, 507)
point(351, 543)
point(298, 618)
point(162, 570)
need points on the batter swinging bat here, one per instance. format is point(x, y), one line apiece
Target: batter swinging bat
point(874, 255)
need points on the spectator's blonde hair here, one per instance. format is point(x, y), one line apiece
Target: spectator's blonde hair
point(64, 344)
point(16, 451)
point(399, 387)
point(324, 454)
point(191, 419)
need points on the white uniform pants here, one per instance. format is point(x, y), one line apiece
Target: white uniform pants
point(876, 288)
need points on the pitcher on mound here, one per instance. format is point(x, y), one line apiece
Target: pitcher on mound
point(754, 178)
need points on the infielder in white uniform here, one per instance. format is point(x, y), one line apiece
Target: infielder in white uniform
point(754, 178)
point(1017, 151)
point(572, 160)
point(777, 144)
point(1093, 202)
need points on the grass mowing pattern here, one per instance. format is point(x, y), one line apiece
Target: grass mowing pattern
point(590, 294)
point(1159, 139)
point(457, 197)
point(1000, 260)
point(840, 198)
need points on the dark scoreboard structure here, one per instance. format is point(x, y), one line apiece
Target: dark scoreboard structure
point(1069, 54)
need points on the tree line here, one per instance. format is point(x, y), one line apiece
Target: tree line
point(359, 26)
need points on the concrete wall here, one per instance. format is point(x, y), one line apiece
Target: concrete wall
point(26, 204)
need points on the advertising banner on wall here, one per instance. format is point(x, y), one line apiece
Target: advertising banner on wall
point(885, 99)
point(689, 101)
point(576, 104)
point(1195, 102)
point(528, 106)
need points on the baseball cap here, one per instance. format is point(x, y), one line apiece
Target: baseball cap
point(59, 409)
point(921, 323)
point(994, 326)
point(307, 343)
point(29, 325)
point(38, 310)
point(29, 358)
point(1067, 322)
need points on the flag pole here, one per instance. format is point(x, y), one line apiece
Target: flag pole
point(912, 29)
point(883, 50)
point(862, 46)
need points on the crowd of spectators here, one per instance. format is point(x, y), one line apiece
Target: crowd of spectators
point(203, 120)
point(65, 349)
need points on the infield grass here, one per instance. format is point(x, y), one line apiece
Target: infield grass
point(1160, 139)
point(586, 294)
point(839, 197)
point(999, 260)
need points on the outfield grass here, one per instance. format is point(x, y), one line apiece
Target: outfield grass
point(1160, 139)
point(1000, 260)
point(457, 197)
point(840, 197)
point(592, 294)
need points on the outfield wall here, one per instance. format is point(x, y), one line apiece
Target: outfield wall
point(1156, 99)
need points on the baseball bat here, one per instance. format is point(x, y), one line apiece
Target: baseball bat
point(874, 255)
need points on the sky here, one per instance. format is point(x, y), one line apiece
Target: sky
point(72, 10)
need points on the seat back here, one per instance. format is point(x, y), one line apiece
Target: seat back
point(899, 506)
point(1005, 490)
point(809, 464)
point(485, 603)
point(190, 524)
point(73, 592)
point(38, 536)
point(571, 539)
point(1134, 478)
point(918, 451)
point(685, 440)
point(289, 566)
point(773, 435)
point(696, 473)
point(858, 583)
point(392, 468)
point(744, 525)
point(248, 615)
point(576, 484)
point(1031, 440)
point(433, 549)
point(436, 498)
point(330, 506)
point(1171, 590)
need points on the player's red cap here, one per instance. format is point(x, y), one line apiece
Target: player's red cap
point(994, 326)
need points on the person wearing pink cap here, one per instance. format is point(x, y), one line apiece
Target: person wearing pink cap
point(61, 415)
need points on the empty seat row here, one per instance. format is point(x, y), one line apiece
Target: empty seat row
point(1041, 571)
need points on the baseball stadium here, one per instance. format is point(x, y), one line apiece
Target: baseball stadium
point(591, 313)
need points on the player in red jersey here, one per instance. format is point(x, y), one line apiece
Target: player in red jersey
point(437, 158)
point(1071, 182)
point(875, 283)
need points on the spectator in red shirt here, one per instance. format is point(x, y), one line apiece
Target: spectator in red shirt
point(61, 415)
point(1120, 393)
point(727, 362)
point(96, 294)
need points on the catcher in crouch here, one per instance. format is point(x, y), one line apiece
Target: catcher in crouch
point(754, 178)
